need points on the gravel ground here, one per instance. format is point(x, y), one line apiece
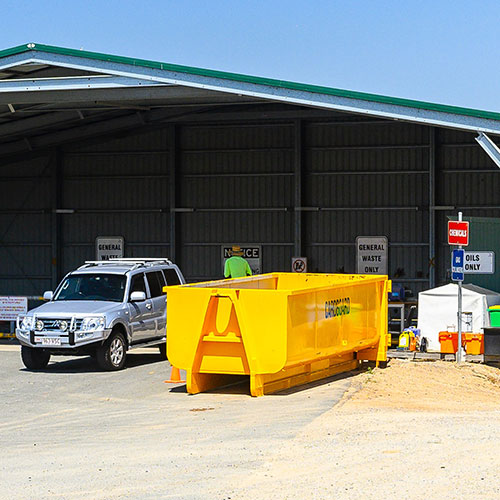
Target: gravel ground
point(412, 431)
point(428, 430)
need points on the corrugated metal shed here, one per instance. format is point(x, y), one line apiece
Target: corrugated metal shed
point(180, 161)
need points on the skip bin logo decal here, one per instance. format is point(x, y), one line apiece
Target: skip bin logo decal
point(337, 307)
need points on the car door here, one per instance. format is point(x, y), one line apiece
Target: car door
point(142, 320)
point(156, 282)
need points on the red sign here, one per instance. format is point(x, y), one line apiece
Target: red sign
point(458, 233)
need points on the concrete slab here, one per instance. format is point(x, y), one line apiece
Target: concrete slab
point(74, 432)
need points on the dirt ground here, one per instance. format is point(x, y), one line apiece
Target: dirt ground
point(415, 430)
point(438, 386)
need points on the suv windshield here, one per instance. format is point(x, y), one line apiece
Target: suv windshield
point(106, 287)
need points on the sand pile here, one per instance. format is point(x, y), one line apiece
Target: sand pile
point(427, 385)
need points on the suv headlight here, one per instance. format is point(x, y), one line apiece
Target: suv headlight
point(96, 323)
point(27, 323)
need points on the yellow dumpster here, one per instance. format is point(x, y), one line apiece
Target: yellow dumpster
point(281, 329)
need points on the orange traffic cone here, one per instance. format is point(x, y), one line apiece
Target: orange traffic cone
point(175, 376)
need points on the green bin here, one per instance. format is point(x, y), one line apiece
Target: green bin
point(494, 316)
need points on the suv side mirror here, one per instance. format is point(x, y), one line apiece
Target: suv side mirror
point(137, 296)
point(48, 295)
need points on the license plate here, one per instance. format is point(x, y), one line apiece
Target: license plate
point(50, 341)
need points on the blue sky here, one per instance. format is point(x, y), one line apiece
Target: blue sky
point(440, 51)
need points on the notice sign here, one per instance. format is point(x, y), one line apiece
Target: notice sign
point(371, 254)
point(479, 263)
point(109, 247)
point(458, 233)
point(299, 264)
point(11, 307)
point(251, 253)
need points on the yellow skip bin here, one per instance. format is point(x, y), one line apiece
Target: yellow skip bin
point(281, 329)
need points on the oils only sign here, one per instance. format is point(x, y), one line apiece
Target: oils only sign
point(479, 263)
point(371, 254)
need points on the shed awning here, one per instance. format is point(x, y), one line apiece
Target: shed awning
point(50, 95)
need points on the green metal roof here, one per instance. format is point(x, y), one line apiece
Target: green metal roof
point(410, 103)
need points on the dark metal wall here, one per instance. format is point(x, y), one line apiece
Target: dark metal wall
point(468, 180)
point(308, 186)
point(368, 178)
point(26, 226)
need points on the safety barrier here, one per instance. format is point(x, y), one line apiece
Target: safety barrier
point(281, 329)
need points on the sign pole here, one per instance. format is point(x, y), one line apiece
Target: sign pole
point(459, 314)
point(458, 234)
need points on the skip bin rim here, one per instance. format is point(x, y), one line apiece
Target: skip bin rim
point(362, 278)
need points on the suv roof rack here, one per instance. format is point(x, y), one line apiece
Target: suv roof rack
point(134, 263)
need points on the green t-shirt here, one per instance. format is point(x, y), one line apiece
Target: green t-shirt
point(236, 267)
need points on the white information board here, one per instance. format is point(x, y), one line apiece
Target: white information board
point(11, 307)
point(479, 263)
point(371, 254)
point(299, 264)
point(109, 247)
point(252, 254)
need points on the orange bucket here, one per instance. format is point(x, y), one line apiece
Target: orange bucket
point(413, 343)
point(449, 342)
point(474, 343)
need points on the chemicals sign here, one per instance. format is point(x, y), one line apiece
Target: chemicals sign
point(371, 254)
point(109, 247)
point(251, 253)
point(479, 263)
point(458, 233)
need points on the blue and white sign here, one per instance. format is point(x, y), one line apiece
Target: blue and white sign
point(457, 264)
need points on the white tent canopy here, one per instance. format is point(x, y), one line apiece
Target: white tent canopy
point(437, 310)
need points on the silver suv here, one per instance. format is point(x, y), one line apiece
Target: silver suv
point(103, 309)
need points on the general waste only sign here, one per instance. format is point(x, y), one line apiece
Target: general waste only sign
point(371, 252)
point(109, 247)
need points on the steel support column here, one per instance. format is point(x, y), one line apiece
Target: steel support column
point(172, 179)
point(432, 203)
point(298, 160)
point(55, 217)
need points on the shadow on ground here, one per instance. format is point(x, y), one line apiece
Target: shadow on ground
point(87, 364)
point(242, 386)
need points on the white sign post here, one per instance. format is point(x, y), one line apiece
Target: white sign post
point(109, 247)
point(251, 253)
point(11, 307)
point(371, 254)
point(458, 234)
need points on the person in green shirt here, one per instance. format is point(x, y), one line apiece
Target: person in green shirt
point(236, 266)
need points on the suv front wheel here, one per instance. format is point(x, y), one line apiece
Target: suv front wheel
point(34, 359)
point(111, 355)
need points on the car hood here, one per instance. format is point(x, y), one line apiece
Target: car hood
point(76, 307)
